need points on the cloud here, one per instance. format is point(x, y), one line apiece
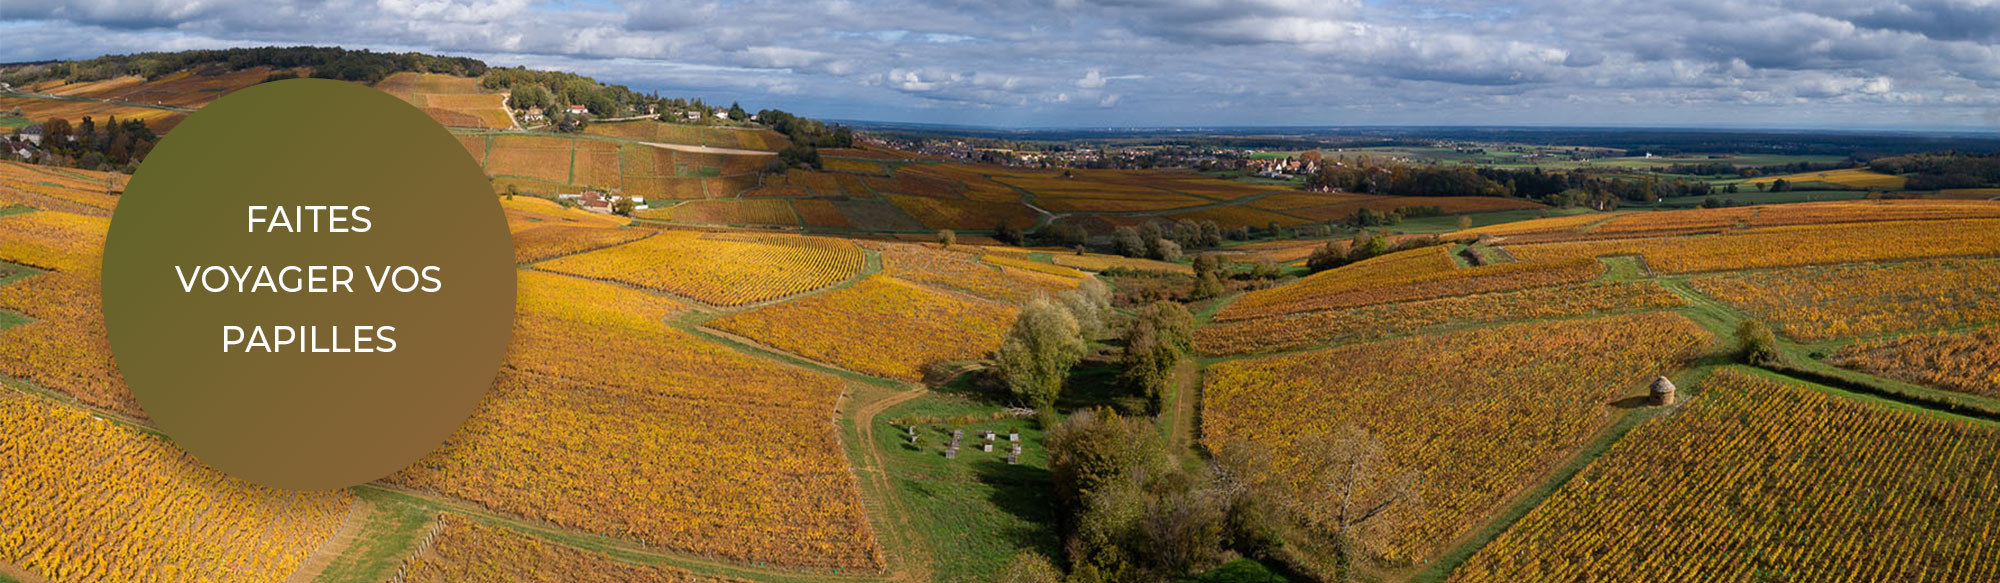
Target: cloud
point(1161, 62)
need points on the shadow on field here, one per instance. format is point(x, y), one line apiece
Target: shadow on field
point(1023, 491)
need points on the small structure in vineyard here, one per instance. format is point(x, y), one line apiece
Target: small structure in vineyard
point(1663, 392)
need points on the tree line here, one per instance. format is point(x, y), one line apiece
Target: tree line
point(359, 65)
point(1939, 170)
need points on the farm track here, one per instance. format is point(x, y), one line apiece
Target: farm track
point(351, 527)
point(914, 559)
point(23, 575)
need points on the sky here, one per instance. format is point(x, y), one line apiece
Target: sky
point(1820, 64)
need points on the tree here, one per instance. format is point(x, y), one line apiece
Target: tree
point(1147, 367)
point(1125, 241)
point(1028, 567)
point(1781, 185)
point(1155, 344)
point(1326, 257)
point(512, 189)
point(1755, 343)
point(1166, 250)
point(1351, 493)
point(947, 238)
point(1207, 284)
point(1365, 248)
point(736, 112)
point(622, 207)
point(1173, 322)
point(1009, 234)
point(1036, 357)
point(1088, 304)
point(1153, 235)
point(1265, 268)
point(1211, 234)
point(1207, 262)
point(1464, 222)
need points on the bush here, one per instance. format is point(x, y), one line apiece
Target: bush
point(1755, 343)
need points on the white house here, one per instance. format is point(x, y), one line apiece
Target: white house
point(721, 114)
point(578, 110)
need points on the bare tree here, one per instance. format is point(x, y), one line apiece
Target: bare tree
point(1359, 495)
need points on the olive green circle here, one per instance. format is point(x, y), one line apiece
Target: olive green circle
point(301, 419)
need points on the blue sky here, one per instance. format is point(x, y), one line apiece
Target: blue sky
point(1887, 64)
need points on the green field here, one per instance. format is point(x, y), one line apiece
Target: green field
point(977, 511)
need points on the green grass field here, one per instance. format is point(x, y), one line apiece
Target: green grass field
point(975, 510)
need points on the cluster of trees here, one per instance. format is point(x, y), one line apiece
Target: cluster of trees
point(1407, 180)
point(1133, 515)
point(117, 145)
point(806, 135)
point(1572, 188)
point(1166, 241)
point(1364, 245)
point(1939, 170)
point(1724, 169)
point(1155, 344)
point(1049, 336)
point(1368, 217)
point(556, 90)
point(326, 62)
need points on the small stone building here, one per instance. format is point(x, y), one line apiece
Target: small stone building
point(1663, 392)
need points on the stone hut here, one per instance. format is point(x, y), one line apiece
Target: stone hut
point(1663, 392)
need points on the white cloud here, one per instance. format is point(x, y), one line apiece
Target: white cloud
point(1305, 61)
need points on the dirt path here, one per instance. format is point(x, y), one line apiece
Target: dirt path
point(9, 570)
point(1187, 391)
point(709, 149)
point(916, 561)
point(350, 530)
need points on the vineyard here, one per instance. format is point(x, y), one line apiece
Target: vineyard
point(719, 269)
point(82, 499)
point(727, 212)
point(1101, 262)
point(1866, 299)
point(1005, 260)
point(942, 213)
point(1967, 362)
point(547, 241)
point(467, 551)
point(525, 213)
point(965, 272)
point(751, 473)
point(1363, 323)
point(64, 347)
point(1789, 246)
point(1845, 177)
point(1417, 274)
point(81, 192)
point(1450, 406)
point(1767, 480)
point(881, 326)
point(452, 101)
